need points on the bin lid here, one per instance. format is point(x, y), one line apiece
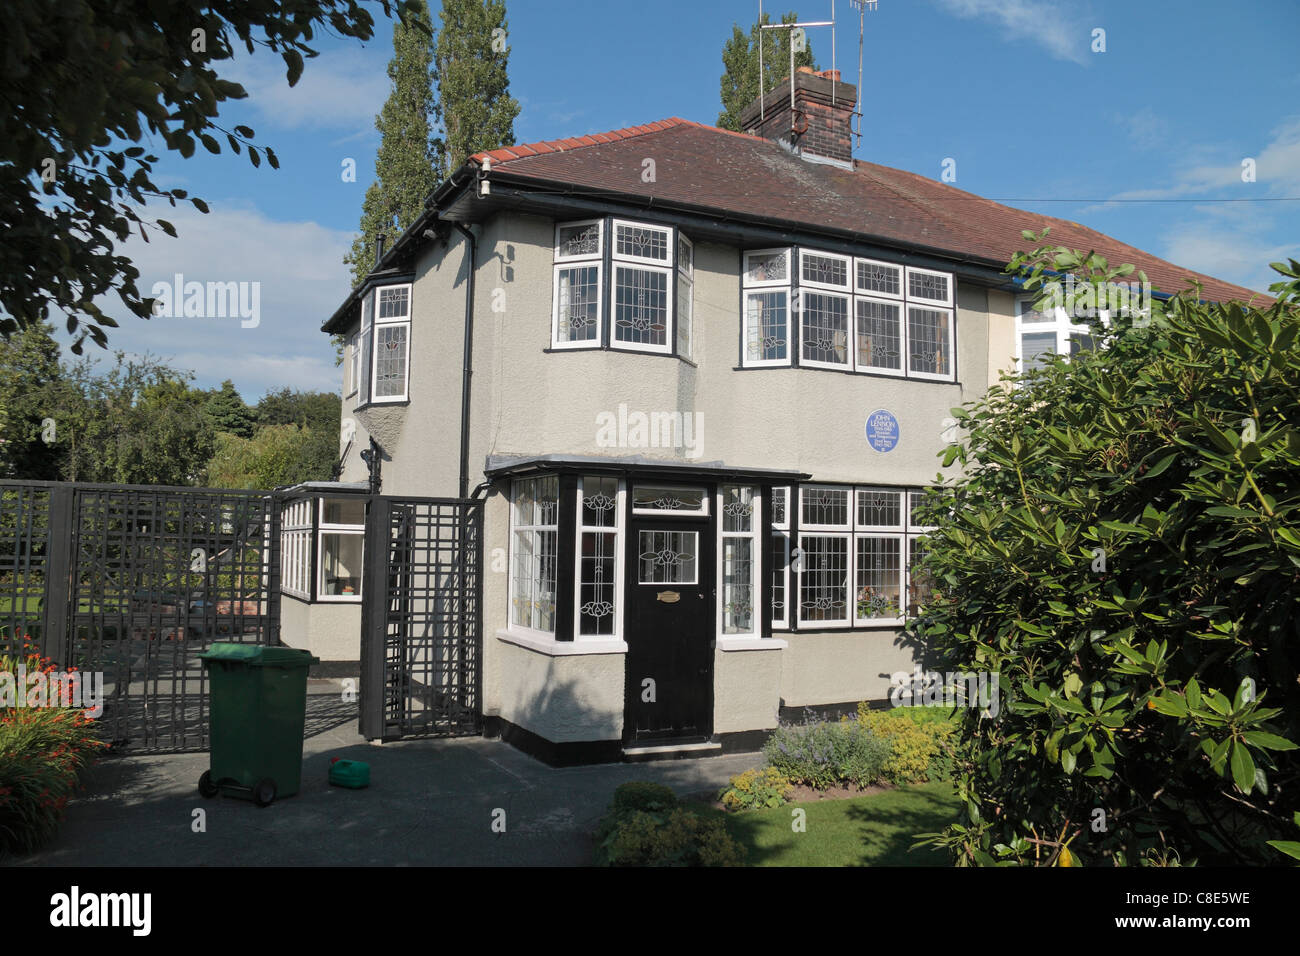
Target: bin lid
point(258, 655)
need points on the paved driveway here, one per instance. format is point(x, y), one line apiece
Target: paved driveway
point(430, 802)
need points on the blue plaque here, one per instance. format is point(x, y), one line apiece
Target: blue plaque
point(882, 430)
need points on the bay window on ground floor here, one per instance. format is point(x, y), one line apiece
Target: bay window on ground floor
point(805, 557)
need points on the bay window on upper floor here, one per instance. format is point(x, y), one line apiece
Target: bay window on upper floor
point(620, 284)
point(379, 364)
point(816, 309)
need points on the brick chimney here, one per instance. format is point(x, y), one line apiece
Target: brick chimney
point(817, 127)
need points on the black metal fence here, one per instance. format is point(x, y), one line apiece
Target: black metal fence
point(421, 618)
point(133, 583)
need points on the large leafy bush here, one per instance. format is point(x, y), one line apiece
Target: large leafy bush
point(647, 826)
point(1122, 548)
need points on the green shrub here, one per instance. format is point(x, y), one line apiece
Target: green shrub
point(42, 753)
point(1123, 553)
point(756, 789)
point(822, 754)
point(677, 837)
point(643, 795)
point(918, 738)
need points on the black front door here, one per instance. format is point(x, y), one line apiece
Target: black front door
point(670, 630)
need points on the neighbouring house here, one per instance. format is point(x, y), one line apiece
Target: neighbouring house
point(700, 380)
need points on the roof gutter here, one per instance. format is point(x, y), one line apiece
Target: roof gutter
point(455, 182)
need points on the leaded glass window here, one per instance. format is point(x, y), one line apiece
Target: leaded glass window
point(578, 240)
point(668, 557)
point(535, 519)
point(641, 306)
point(599, 549)
point(929, 341)
point(880, 335)
point(767, 332)
point(823, 269)
point(880, 278)
point(577, 305)
point(642, 242)
point(738, 505)
point(824, 329)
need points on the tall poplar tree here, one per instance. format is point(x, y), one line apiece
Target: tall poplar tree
point(740, 61)
point(409, 157)
point(478, 112)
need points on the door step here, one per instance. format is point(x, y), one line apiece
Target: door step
point(671, 751)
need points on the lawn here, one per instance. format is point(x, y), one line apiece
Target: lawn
point(876, 830)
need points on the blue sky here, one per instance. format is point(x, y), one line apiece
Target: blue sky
point(1009, 89)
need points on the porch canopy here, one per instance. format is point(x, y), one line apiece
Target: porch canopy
point(512, 466)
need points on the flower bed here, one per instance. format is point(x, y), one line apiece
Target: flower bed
point(42, 753)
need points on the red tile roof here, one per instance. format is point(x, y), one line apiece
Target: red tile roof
point(744, 175)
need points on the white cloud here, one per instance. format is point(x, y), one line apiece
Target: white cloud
point(340, 89)
point(1277, 171)
point(1236, 255)
point(1053, 25)
point(299, 266)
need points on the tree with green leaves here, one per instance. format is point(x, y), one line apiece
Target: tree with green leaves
point(406, 167)
point(31, 389)
point(73, 179)
point(1122, 549)
point(472, 54)
point(740, 65)
point(228, 411)
point(270, 459)
point(140, 422)
point(318, 413)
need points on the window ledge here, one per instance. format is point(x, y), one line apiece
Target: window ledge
point(554, 648)
point(751, 644)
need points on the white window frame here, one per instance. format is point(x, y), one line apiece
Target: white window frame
point(905, 531)
point(748, 283)
point(746, 361)
point(850, 562)
point(875, 293)
point(670, 237)
point(1060, 323)
point(946, 303)
point(295, 549)
point(600, 240)
point(901, 306)
point(850, 272)
point(515, 526)
point(670, 290)
point(322, 529)
point(574, 263)
point(757, 566)
point(850, 329)
point(702, 511)
point(620, 564)
point(404, 320)
point(365, 339)
point(849, 507)
point(951, 374)
point(685, 304)
point(352, 371)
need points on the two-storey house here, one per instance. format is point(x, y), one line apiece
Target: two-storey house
point(700, 379)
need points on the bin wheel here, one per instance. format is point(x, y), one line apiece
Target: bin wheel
point(264, 792)
point(206, 787)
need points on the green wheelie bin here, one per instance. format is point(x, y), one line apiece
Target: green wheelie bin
point(258, 710)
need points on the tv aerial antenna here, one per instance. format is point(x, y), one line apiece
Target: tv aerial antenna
point(861, 6)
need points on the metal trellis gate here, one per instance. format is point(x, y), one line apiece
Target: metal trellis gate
point(129, 584)
point(421, 619)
